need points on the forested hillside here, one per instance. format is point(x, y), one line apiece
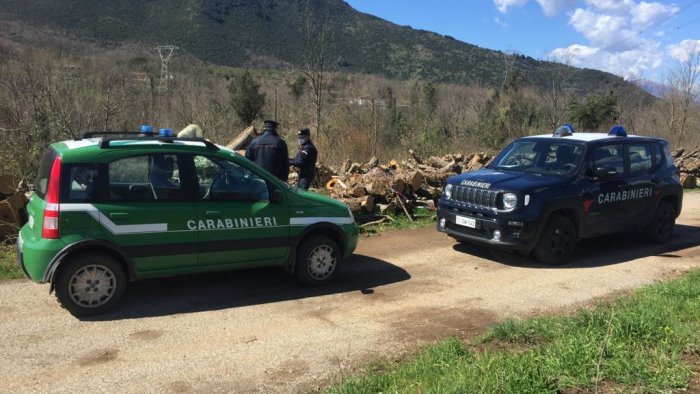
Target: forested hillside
point(273, 34)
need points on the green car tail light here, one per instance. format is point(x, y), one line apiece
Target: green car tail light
point(50, 226)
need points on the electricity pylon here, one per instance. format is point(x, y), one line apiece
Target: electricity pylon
point(165, 52)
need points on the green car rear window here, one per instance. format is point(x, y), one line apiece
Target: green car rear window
point(42, 181)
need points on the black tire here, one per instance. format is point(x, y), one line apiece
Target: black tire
point(317, 260)
point(100, 274)
point(661, 227)
point(557, 241)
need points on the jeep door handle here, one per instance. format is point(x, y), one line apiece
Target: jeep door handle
point(119, 215)
point(213, 214)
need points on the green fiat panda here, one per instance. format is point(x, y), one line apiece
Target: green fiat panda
point(120, 208)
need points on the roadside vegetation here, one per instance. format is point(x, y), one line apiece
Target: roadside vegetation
point(8, 263)
point(422, 218)
point(643, 342)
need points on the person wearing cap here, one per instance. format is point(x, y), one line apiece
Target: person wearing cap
point(269, 151)
point(305, 159)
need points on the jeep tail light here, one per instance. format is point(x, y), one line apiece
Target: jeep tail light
point(50, 227)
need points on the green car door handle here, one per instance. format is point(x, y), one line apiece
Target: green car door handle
point(119, 215)
point(213, 214)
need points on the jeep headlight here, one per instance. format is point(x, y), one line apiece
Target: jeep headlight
point(510, 200)
point(448, 191)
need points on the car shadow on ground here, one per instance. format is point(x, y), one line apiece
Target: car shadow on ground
point(233, 289)
point(598, 252)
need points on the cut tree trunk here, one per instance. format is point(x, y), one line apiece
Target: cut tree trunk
point(243, 139)
point(367, 203)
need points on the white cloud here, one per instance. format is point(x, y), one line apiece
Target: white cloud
point(681, 50)
point(612, 6)
point(633, 63)
point(552, 8)
point(549, 7)
point(620, 36)
point(646, 15)
point(503, 5)
point(602, 30)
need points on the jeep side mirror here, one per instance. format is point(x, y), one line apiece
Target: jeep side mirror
point(605, 172)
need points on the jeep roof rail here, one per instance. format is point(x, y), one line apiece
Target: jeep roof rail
point(129, 135)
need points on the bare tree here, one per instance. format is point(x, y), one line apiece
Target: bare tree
point(316, 34)
point(554, 96)
point(680, 92)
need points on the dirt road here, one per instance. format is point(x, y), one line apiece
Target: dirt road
point(258, 331)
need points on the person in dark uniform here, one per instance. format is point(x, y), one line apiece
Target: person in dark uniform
point(305, 159)
point(269, 151)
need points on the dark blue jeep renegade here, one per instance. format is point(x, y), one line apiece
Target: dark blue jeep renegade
point(543, 193)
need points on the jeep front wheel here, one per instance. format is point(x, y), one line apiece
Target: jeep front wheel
point(90, 284)
point(661, 227)
point(317, 260)
point(557, 241)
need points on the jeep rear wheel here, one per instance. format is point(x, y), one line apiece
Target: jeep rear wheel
point(90, 284)
point(317, 260)
point(557, 241)
point(661, 227)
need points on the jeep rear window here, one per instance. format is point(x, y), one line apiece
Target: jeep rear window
point(543, 157)
point(42, 181)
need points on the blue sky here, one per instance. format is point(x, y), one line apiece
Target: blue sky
point(631, 38)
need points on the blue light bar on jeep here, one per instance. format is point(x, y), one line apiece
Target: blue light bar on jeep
point(165, 132)
point(563, 131)
point(617, 131)
point(146, 129)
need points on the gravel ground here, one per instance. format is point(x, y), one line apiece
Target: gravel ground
point(258, 331)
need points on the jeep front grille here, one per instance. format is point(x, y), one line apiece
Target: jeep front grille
point(473, 196)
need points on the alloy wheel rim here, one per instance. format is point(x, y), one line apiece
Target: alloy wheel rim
point(321, 262)
point(560, 241)
point(92, 286)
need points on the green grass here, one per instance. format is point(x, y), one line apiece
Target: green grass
point(8, 263)
point(635, 344)
point(422, 219)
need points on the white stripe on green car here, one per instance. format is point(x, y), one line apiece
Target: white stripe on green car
point(116, 229)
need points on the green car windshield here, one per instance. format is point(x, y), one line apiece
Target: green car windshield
point(540, 157)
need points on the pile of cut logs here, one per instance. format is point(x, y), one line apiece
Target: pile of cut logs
point(13, 199)
point(375, 188)
point(689, 164)
point(394, 187)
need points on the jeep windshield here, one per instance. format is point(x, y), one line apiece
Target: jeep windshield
point(540, 157)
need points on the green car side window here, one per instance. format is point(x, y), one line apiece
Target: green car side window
point(220, 179)
point(145, 178)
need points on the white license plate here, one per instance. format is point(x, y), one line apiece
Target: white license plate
point(465, 221)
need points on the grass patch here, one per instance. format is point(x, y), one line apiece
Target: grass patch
point(423, 218)
point(635, 344)
point(8, 263)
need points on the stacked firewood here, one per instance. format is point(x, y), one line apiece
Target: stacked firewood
point(379, 189)
point(395, 187)
point(689, 164)
point(13, 199)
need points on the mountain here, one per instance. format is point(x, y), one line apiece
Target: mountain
point(271, 34)
point(654, 88)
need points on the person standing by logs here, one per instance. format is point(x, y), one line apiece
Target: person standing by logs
point(269, 151)
point(305, 159)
